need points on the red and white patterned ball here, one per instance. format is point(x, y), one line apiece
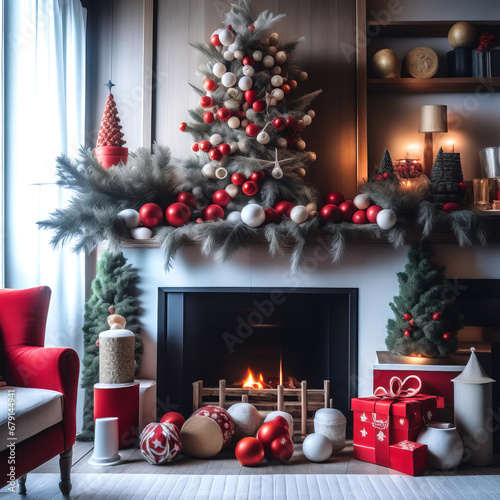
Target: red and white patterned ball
point(222, 417)
point(160, 443)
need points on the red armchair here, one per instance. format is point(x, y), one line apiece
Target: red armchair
point(26, 363)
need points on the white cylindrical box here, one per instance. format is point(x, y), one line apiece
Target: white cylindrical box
point(332, 424)
point(116, 357)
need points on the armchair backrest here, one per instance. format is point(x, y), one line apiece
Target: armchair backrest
point(23, 314)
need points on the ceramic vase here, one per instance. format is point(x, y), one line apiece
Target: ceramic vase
point(109, 156)
point(444, 445)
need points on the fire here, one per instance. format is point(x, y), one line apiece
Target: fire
point(251, 383)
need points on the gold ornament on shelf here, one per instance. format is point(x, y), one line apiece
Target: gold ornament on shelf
point(386, 64)
point(422, 62)
point(462, 34)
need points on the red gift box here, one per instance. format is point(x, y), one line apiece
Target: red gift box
point(379, 423)
point(407, 457)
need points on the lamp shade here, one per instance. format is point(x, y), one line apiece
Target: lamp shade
point(433, 118)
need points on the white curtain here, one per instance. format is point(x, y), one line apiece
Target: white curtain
point(44, 116)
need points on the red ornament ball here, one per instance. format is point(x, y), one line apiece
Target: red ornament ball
point(372, 212)
point(407, 333)
point(224, 148)
point(279, 123)
point(223, 114)
point(285, 88)
point(335, 198)
point(206, 101)
point(437, 316)
point(214, 40)
point(221, 197)
point(249, 452)
point(386, 175)
point(462, 186)
point(250, 96)
point(258, 176)
point(212, 212)
point(160, 443)
point(281, 448)
point(447, 335)
point(209, 85)
point(379, 177)
point(252, 130)
point(250, 188)
point(290, 122)
point(187, 198)
point(283, 208)
point(248, 61)
point(238, 179)
point(151, 215)
point(330, 213)
point(451, 206)
point(173, 417)
point(195, 146)
point(208, 117)
point(411, 322)
point(215, 154)
point(348, 209)
point(258, 106)
point(271, 215)
point(177, 214)
point(251, 27)
point(282, 421)
point(407, 317)
point(359, 217)
point(269, 431)
point(205, 146)
point(182, 126)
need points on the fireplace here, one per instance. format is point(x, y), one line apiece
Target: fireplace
point(287, 334)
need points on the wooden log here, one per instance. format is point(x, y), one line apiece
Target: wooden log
point(303, 413)
point(222, 393)
point(280, 399)
point(326, 388)
point(197, 389)
point(244, 398)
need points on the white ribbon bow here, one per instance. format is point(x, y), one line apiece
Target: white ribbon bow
point(397, 388)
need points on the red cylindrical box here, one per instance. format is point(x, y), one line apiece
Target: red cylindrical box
point(122, 401)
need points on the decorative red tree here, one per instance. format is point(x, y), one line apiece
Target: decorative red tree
point(110, 133)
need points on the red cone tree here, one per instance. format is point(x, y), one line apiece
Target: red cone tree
point(110, 133)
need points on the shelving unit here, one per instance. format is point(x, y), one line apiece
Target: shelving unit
point(435, 85)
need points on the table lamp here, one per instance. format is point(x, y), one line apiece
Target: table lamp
point(432, 118)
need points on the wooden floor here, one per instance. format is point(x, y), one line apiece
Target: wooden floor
point(226, 464)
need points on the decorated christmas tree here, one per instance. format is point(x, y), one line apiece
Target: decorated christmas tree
point(447, 179)
point(110, 133)
point(248, 128)
point(426, 316)
point(113, 286)
point(386, 166)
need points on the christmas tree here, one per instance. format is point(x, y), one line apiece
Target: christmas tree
point(248, 127)
point(426, 316)
point(447, 178)
point(113, 286)
point(386, 165)
point(110, 133)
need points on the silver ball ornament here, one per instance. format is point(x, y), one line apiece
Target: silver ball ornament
point(226, 37)
point(233, 216)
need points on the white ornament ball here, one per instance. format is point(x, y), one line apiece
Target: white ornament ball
point(220, 173)
point(215, 139)
point(276, 70)
point(234, 147)
point(278, 94)
point(246, 418)
point(208, 171)
point(232, 190)
point(131, 217)
point(253, 215)
point(281, 143)
point(226, 37)
point(386, 218)
point(362, 201)
point(141, 233)
point(299, 214)
point(228, 55)
point(233, 122)
point(281, 57)
point(234, 47)
point(317, 448)
point(233, 217)
point(228, 79)
point(248, 70)
point(268, 61)
point(219, 69)
point(263, 138)
point(238, 54)
point(311, 113)
point(277, 81)
point(285, 415)
point(245, 145)
point(277, 173)
point(245, 83)
point(306, 120)
point(257, 56)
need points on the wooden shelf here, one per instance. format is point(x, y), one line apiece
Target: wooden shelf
point(423, 28)
point(437, 85)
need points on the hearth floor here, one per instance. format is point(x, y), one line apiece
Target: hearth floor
point(225, 464)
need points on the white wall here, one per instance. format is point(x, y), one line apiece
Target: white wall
point(371, 269)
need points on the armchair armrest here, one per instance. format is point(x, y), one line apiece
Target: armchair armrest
point(54, 368)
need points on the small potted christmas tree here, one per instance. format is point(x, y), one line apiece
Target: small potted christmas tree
point(426, 318)
point(109, 149)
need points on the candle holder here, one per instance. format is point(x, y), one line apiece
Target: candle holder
point(409, 173)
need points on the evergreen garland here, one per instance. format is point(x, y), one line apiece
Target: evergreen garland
point(114, 285)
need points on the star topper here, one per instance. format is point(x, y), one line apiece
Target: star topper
point(110, 85)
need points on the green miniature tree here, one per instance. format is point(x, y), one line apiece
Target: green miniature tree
point(386, 165)
point(426, 316)
point(113, 286)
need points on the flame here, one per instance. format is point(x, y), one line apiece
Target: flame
point(250, 381)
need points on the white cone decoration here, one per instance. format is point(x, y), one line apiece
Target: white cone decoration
point(386, 219)
point(233, 216)
point(221, 173)
point(362, 201)
point(131, 217)
point(253, 215)
point(299, 214)
point(277, 173)
point(219, 69)
point(226, 37)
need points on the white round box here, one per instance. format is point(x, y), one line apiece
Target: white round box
point(331, 423)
